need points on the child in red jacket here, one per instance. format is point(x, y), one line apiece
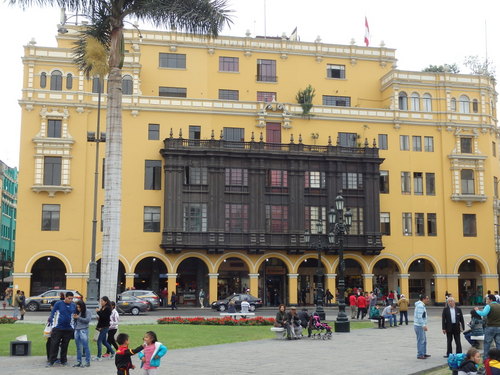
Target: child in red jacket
point(123, 360)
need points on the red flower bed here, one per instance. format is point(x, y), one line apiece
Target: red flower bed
point(7, 319)
point(226, 321)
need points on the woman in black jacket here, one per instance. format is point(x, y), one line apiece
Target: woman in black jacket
point(104, 318)
point(282, 320)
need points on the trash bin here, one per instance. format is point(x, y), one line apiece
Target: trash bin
point(20, 348)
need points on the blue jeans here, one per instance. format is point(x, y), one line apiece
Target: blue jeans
point(490, 334)
point(82, 344)
point(103, 339)
point(421, 341)
point(391, 318)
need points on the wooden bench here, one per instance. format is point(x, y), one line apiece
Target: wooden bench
point(480, 341)
point(280, 332)
point(234, 315)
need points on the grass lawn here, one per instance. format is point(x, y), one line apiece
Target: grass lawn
point(175, 336)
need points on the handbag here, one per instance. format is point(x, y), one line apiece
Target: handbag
point(47, 331)
point(96, 335)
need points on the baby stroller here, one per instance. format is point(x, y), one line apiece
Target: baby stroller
point(318, 330)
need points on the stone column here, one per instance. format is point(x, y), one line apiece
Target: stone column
point(254, 284)
point(129, 280)
point(292, 289)
point(22, 281)
point(171, 285)
point(440, 288)
point(213, 279)
point(490, 282)
point(368, 282)
point(330, 284)
point(405, 284)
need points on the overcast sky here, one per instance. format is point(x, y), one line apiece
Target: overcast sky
point(423, 33)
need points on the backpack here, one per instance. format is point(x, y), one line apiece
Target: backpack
point(455, 360)
point(374, 313)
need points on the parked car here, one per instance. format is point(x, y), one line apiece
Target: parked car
point(42, 301)
point(146, 295)
point(221, 305)
point(132, 305)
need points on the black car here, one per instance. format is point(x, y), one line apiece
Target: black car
point(132, 305)
point(222, 304)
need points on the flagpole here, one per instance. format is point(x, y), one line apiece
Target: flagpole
point(265, 20)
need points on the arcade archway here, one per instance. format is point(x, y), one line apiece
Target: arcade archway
point(192, 275)
point(308, 280)
point(273, 285)
point(385, 277)
point(470, 284)
point(233, 277)
point(421, 279)
point(150, 274)
point(47, 273)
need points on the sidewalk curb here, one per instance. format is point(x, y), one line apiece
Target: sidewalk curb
point(423, 372)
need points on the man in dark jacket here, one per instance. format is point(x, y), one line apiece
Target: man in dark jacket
point(452, 324)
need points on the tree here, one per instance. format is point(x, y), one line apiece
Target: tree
point(107, 19)
point(446, 68)
point(479, 67)
point(305, 98)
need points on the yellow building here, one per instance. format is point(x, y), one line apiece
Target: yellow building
point(437, 190)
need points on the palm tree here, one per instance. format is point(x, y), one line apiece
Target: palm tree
point(106, 26)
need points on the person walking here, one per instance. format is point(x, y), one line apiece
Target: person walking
point(353, 305)
point(61, 318)
point(173, 301)
point(103, 323)
point(82, 318)
point(403, 309)
point(113, 328)
point(22, 305)
point(15, 304)
point(361, 305)
point(420, 326)
point(492, 329)
point(452, 321)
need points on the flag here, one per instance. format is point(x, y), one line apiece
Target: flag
point(293, 35)
point(367, 33)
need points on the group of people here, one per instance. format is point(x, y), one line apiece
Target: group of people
point(69, 320)
point(295, 322)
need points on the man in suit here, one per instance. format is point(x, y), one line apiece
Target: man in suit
point(453, 325)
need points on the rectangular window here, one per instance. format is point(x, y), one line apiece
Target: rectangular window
point(494, 149)
point(54, 128)
point(236, 179)
point(466, 145)
point(266, 70)
point(404, 142)
point(151, 219)
point(417, 143)
point(383, 143)
point(174, 92)
point(314, 180)
point(431, 225)
point(266, 96)
point(405, 183)
point(102, 218)
point(103, 172)
point(407, 231)
point(467, 181)
point(352, 181)
point(418, 183)
point(153, 132)
point(335, 71)
point(315, 218)
point(173, 60)
point(419, 224)
point(277, 219)
point(236, 218)
point(234, 134)
point(229, 64)
point(229, 94)
point(348, 139)
point(385, 223)
point(152, 175)
point(50, 217)
point(195, 217)
point(495, 187)
point(337, 101)
point(52, 170)
point(194, 135)
point(195, 176)
point(430, 184)
point(429, 144)
point(277, 181)
point(469, 223)
point(357, 226)
point(384, 182)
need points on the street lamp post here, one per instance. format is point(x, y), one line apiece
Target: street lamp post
point(342, 222)
point(97, 138)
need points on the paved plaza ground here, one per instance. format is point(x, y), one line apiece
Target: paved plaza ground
point(363, 351)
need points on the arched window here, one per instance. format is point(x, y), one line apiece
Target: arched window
point(415, 102)
point(467, 178)
point(475, 106)
point(427, 98)
point(56, 80)
point(127, 85)
point(403, 101)
point(43, 80)
point(453, 105)
point(69, 81)
point(96, 84)
point(464, 104)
